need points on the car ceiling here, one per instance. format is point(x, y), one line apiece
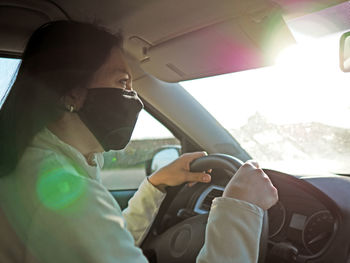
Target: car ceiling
point(173, 40)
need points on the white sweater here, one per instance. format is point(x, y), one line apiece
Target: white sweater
point(55, 205)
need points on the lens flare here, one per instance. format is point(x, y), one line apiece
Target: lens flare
point(58, 188)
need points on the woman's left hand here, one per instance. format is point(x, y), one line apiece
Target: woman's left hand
point(178, 172)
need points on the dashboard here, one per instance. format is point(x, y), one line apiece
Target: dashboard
point(310, 223)
point(308, 233)
point(302, 224)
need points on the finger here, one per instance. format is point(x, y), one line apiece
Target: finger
point(198, 177)
point(264, 174)
point(193, 156)
point(253, 163)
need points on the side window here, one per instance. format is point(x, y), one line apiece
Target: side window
point(8, 67)
point(126, 169)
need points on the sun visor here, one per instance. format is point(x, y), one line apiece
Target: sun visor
point(237, 44)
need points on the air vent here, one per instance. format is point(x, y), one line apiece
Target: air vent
point(206, 198)
point(209, 198)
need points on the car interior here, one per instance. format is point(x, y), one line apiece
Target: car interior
point(168, 42)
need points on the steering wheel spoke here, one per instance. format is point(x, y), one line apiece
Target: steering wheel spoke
point(180, 243)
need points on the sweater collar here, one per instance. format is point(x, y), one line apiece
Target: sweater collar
point(47, 140)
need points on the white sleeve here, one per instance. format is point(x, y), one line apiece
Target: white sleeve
point(142, 209)
point(232, 233)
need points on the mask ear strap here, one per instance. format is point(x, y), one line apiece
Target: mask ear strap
point(129, 93)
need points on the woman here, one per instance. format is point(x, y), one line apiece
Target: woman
point(72, 100)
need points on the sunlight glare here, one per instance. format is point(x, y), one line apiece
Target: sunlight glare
point(305, 85)
point(288, 56)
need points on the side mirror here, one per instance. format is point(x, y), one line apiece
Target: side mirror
point(162, 157)
point(344, 52)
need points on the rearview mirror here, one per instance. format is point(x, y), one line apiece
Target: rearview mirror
point(162, 157)
point(344, 52)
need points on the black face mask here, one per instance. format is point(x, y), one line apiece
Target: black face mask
point(111, 115)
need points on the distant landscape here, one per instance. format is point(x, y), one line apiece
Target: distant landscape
point(298, 142)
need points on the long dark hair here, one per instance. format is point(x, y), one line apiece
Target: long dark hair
point(59, 57)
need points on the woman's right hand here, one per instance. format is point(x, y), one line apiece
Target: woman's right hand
point(252, 185)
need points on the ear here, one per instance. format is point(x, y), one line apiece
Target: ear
point(75, 97)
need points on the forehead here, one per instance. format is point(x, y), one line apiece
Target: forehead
point(116, 62)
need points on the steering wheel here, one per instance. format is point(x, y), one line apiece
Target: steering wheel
point(183, 241)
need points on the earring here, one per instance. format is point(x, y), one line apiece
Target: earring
point(70, 108)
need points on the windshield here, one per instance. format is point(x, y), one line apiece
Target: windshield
point(293, 116)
